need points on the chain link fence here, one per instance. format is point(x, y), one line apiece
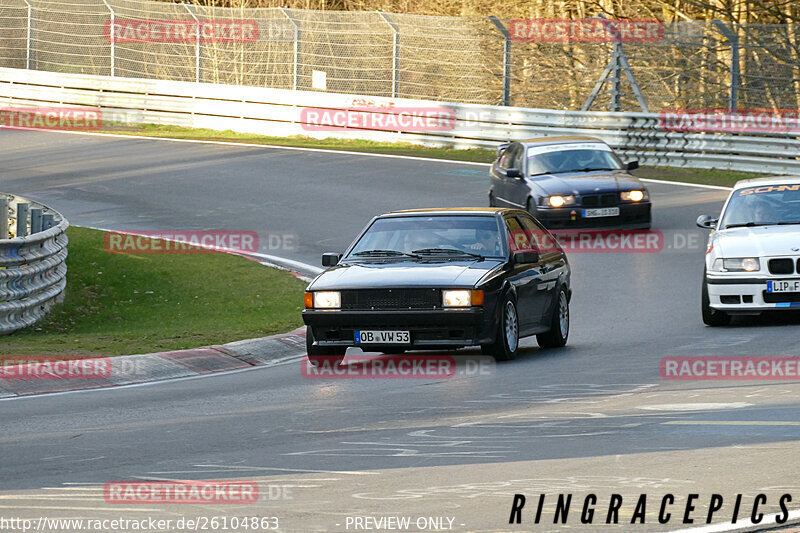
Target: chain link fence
point(470, 60)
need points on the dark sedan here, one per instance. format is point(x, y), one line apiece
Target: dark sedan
point(441, 279)
point(569, 182)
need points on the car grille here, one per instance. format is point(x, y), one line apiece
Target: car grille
point(366, 299)
point(781, 266)
point(600, 200)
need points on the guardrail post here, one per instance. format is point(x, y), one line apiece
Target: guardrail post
point(36, 220)
point(28, 57)
point(3, 217)
point(197, 44)
point(22, 219)
point(395, 52)
point(506, 59)
point(296, 50)
point(733, 39)
point(112, 38)
point(48, 221)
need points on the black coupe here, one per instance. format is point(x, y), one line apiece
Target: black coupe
point(441, 279)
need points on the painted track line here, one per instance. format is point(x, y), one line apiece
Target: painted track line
point(344, 152)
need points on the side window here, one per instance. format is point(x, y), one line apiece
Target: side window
point(519, 159)
point(509, 156)
point(539, 238)
point(516, 237)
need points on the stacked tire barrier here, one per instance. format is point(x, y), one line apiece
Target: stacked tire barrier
point(33, 265)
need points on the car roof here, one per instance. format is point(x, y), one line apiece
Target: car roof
point(769, 180)
point(565, 139)
point(453, 211)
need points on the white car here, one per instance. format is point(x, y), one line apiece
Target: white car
point(753, 257)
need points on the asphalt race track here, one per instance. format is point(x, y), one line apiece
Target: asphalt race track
point(595, 417)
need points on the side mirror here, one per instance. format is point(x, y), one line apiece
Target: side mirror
point(631, 165)
point(330, 259)
point(513, 173)
point(707, 222)
point(526, 257)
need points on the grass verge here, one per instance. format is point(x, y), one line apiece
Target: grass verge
point(686, 175)
point(125, 304)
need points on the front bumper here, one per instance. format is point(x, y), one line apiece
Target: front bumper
point(631, 216)
point(438, 328)
point(748, 295)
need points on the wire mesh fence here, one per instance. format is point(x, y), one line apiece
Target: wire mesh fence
point(691, 65)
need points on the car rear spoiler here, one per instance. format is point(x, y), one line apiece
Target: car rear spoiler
point(502, 147)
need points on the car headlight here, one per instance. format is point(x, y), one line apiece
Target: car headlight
point(327, 300)
point(461, 298)
point(741, 264)
point(634, 196)
point(558, 201)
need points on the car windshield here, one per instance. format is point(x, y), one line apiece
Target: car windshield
point(415, 237)
point(763, 206)
point(578, 160)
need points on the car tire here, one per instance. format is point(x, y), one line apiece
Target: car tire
point(492, 202)
point(319, 355)
point(506, 343)
point(558, 334)
point(712, 317)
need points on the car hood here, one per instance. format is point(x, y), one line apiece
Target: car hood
point(760, 241)
point(370, 275)
point(586, 182)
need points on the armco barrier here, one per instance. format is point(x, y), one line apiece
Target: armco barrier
point(32, 271)
point(279, 112)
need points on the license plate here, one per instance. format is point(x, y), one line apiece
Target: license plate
point(604, 212)
point(784, 286)
point(382, 337)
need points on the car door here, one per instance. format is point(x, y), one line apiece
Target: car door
point(503, 186)
point(518, 189)
point(526, 278)
point(552, 264)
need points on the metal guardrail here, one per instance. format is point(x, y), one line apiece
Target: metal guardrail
point(32, 266)
point(279, 112)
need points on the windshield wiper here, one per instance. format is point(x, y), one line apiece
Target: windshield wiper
point(749, 225)
point(569, 171)
point(788, 223)
point(446, 251)
point(382, 253)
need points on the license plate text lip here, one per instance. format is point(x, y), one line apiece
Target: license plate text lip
point(794, 285)
point(379, 336)
point(601, 212)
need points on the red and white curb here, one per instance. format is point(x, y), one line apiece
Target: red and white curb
point(153, 367)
